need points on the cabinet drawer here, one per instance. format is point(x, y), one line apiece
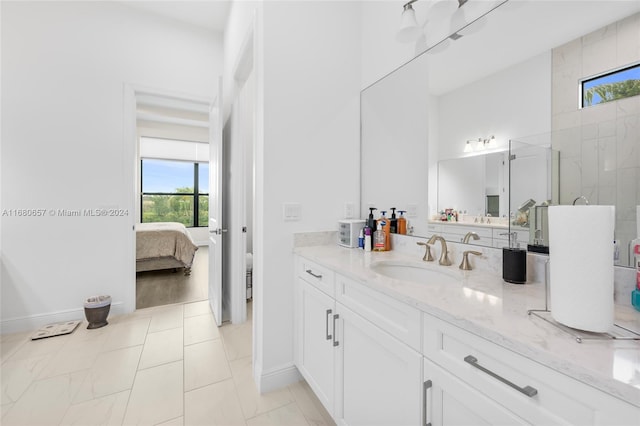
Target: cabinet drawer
point(535, 392)
point(396, 318)
point(434, 229)
point(499, 234)
point(317, 275)
point(483, 232)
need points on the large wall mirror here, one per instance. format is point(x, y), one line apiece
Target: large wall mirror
point(514, 79)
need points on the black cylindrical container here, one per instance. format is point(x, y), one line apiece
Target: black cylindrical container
point(514, 265)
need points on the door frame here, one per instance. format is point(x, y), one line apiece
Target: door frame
point(131, 164)
point(242, 70)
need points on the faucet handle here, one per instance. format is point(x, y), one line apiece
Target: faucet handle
point(466, 265)
point(427, 254)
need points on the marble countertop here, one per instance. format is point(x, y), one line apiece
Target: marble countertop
point(483, 304)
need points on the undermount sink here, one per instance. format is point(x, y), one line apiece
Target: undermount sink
point(409, 271)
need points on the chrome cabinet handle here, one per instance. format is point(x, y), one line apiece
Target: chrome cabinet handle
point(425, 388)
point(527, 390)
point(326, 323)
point(310, 272)
point(335, 342)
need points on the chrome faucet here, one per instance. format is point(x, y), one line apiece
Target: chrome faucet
point(427, 254)
point(468, 236)
point(444, 255)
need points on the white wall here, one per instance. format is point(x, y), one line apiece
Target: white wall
point(311, 138)
point(63, 81)
point(307, 124)
point(381, 53)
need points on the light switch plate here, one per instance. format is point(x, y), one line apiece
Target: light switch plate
point(349, 210)
point(291, 212)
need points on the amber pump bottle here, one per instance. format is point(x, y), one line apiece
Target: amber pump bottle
point(402, 223)
point(386, 227)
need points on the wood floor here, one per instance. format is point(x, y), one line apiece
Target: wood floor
point(155, 288)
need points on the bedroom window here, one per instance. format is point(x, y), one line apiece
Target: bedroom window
point(171, 190)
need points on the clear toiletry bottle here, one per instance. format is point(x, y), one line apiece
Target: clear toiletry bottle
point(379, 238)
point(368, 241)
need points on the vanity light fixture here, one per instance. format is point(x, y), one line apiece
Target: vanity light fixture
point(459, 24)
point(467, 147)
point(489, 143)
point(409, 30)
point(473, 145)
point(458, 21)
point(480, 144)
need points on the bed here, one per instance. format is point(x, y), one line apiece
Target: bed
point(164, 245)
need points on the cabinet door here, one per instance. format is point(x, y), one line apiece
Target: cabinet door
point(381, 376)
point(448, 401)
point(316, 352)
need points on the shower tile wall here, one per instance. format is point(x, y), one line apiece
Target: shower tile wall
point(599, 145)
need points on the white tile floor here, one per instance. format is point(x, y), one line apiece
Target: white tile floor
point(168, 365)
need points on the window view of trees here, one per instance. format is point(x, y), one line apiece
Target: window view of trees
point(611, 87)
point(163, 201)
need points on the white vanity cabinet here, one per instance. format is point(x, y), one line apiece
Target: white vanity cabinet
point(362, 374)
point(516, 385)
point(501, 237)
point(373, 359)
point(315, 310)
point(456, 232)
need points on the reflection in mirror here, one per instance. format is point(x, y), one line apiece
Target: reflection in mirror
point(600, 162)
point(517, 75)
point(393, 155)
point(475, 190)
point(532, 188)
point(475, 186)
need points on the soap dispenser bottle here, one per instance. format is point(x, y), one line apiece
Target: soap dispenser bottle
point(386, 227)
point(393, 222)
point(368, 241)
point(402, 223)
point(379, 239)
point(371, 224)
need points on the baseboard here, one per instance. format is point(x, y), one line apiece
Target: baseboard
point(277, 378)
point(34, 322)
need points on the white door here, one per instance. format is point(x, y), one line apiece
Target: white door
point(317, 351)
point(215, 206)
point(381, 376)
